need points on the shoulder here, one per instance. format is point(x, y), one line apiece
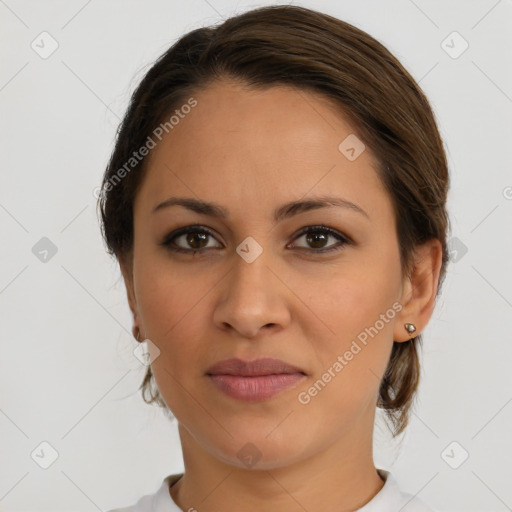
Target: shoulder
point(406, 501)
point(391, 498)
point(158, 501)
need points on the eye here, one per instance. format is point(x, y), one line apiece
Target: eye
point(317, 237)
point(195, 237)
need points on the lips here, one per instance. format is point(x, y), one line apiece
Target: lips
point(256, 380)
point(263, 366)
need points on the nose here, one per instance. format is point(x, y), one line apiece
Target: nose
point(252, 298)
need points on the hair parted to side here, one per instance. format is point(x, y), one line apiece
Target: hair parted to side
point(309, 50)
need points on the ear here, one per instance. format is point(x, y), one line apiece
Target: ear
point(126, 265)
point(419, 290)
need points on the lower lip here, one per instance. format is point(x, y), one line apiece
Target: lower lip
point(257, 388)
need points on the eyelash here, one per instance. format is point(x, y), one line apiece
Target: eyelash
point(168, 241)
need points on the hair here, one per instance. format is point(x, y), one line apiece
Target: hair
point(311, 51)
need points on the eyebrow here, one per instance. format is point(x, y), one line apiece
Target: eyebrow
point(283, 212)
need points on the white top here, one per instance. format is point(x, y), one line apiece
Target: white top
point(388, 499)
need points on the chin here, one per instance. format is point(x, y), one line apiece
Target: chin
point(258, 453)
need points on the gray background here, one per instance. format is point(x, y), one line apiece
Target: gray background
point(68, 374)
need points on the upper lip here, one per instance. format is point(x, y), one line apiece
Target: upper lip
point(262, 366)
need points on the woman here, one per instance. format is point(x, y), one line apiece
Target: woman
point(276, 202)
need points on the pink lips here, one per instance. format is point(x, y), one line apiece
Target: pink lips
point(254, 380)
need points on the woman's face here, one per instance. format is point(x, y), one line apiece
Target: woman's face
point(258, 286)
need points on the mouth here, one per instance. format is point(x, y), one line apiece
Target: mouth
point(255, 368)
point(256, 380)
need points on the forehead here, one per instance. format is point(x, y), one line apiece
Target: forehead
point(256, 146)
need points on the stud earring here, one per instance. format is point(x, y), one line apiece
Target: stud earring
point(410, 328)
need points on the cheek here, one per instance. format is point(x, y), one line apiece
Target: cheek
point(172, 305)
point(352, 298)
point(353, 354)
point(169, 296)
point(177, 366)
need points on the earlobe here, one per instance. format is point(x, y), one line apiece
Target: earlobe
point(419, 291)
point(410, 328)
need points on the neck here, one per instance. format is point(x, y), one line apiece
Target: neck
point(342, 477)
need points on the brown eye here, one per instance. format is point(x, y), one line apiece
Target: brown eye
point(195, 238)
point(189, 240)
point(317, 237)
point(192, 239)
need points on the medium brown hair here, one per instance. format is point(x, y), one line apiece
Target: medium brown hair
point(309, 50)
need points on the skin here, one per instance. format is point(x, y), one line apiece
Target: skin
point(252, 150)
